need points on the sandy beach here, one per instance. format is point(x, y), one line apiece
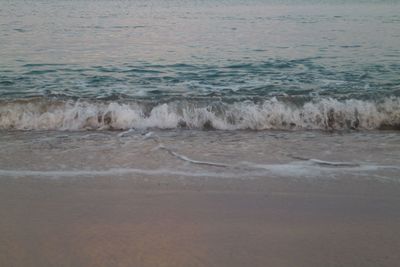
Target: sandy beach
point(198, 222)
point(183, 133)
point(199, 199)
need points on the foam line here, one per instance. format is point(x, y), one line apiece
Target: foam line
point(335, 164)
point(105, 173)
point(184, 158)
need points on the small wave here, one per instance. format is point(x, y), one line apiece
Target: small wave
point(321, 114)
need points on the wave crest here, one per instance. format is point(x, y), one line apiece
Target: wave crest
point(322, 114)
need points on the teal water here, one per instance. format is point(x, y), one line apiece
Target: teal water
point(72, 65)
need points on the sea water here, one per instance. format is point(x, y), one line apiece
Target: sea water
point(218, 88)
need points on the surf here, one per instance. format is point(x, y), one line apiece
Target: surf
point(271, 114)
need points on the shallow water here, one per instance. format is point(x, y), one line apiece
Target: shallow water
point(218, 154)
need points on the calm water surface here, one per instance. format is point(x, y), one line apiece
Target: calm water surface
point(228, 49)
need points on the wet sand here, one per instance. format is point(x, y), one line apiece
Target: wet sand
point(198, 222)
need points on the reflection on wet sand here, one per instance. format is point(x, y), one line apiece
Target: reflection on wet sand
point(117, 222)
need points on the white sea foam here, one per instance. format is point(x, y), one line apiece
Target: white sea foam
point(326, 113)
point(106, 173)
point(297, 169)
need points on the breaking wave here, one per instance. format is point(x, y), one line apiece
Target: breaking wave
point(321, 114)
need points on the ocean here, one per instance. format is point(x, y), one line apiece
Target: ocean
point(215, 133)
point(236, 88)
